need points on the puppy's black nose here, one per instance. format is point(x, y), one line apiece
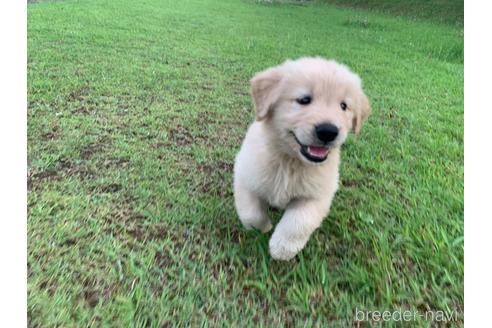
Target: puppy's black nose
point(326, 132)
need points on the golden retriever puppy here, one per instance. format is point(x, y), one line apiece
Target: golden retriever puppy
point(289, 158)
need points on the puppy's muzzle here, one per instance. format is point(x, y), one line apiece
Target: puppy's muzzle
point(326, 132)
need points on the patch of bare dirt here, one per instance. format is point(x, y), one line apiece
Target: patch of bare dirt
point(110, 188)
point(33, 179)
point(70, 168)
point(163, 259)
point(84, 110)
point(78, 94)
point(48, 285)
point(127, 216)
point(128, 222)
point(46, 175)
point(97, 291)
point(91, 149)
point(54, 133)
point(69, 242)
point(350, 183)
point(116, 162)
point(180, 136)
point(64, 168)
point(215, 178)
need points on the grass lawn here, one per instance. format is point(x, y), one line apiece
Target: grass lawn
point(136, 110)
point(443, 11)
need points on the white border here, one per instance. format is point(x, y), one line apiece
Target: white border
point(13, 130)
point(478, 163)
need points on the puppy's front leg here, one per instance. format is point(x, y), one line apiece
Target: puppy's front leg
point(299, 221)
point(251, 209)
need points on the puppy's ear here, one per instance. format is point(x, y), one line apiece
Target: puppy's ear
point(362, 111)
point(265, 91)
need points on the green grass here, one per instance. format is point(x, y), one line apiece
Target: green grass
point(440, 11)
point(136, 110)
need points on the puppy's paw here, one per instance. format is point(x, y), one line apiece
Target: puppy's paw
point(264, 225)
point(282, 248)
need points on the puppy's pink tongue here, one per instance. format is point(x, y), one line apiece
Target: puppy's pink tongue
point(318, 151)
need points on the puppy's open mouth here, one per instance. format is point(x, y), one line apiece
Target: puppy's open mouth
point(316, 154)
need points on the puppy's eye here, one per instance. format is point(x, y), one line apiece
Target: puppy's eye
point(343, 105)
point(306, 100)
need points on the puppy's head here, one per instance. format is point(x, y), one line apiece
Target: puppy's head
point(309, 106)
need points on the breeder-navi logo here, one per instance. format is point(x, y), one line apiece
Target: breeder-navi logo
point(407, 315)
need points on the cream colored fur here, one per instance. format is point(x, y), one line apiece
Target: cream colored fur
point(270, 169)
